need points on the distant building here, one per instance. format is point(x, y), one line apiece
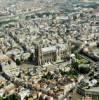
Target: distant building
point(89, 89)
point(8, 66)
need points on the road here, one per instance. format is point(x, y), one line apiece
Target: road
point(9, 17)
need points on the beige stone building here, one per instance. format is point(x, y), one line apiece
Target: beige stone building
point(50, 54)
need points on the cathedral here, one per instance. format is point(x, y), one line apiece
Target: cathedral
point(50, 54)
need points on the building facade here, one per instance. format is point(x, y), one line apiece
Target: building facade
point(89, 94)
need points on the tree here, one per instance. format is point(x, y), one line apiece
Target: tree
point(84, 70)
point(1, 98)
point(18, 62)
point(75, 65)
point(13, 97)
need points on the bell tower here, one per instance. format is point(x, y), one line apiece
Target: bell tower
point(38, 55)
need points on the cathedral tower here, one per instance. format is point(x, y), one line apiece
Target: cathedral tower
point(38, 55)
